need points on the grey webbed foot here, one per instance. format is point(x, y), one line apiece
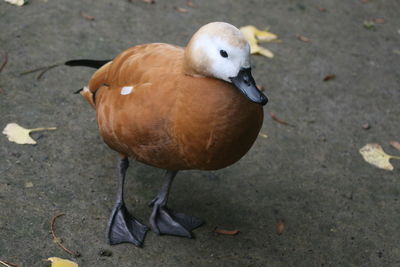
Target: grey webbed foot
point(165, 221)
point(124, 228)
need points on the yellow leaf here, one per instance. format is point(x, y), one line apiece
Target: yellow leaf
point(255, 36)
point(374, 154)
point(17, 2)
point(20, 135)
point(58, 262)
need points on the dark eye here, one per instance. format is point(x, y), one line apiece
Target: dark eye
point(223, 53)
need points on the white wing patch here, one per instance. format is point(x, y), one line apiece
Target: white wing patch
point(126, 90)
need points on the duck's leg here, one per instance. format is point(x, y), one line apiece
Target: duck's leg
point(122, 226)
point(163, 220)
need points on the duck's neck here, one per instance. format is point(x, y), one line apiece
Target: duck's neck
point(194, 62)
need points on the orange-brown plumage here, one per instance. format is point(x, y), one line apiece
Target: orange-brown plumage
point(171, 120)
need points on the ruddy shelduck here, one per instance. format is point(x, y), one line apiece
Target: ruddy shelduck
point(177, 109)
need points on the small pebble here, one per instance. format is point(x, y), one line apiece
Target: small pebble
point(366, 126)
point(105, 253)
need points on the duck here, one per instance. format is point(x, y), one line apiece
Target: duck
point(174, 108)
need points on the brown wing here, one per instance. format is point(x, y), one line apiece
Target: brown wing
point(137, 123)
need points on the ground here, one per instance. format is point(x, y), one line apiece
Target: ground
point(337, 209)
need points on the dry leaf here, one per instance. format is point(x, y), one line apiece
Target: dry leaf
point(86, 16)
point(374, 154)
point(255, 36)
point(58, 262)
point(329, 77)
point(20, 135)
point(395, 144)
point(280, 227)
point(181, 9)
point(226, 232)
point(28, 185)
point(190, 4)
point(17, 2)
point(303, 38)
point(379, 20)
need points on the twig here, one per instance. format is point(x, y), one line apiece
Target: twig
point(9, 264)
point(86, 16)
point(45, 70)
point(4, 61)
point(42, 70)
point(57, 240)
point(275, 118)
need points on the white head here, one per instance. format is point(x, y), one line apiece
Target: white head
point(218, 50)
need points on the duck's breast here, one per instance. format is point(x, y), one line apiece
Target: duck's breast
point(214, 124)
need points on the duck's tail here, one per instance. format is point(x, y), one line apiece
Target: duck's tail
point(97, 64)
point(98, 80)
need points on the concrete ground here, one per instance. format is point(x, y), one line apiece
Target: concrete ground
point(337, 209)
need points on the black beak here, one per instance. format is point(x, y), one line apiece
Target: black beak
point(246, 84)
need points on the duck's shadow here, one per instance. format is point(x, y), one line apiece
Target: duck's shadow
point(209, 195)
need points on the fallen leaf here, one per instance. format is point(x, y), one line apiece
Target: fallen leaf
point(280, 227)
point(263, 135)
point(86, 16)
point(369, 25)
point(181, 9)
point(226, 232)
point(255, 36)
point(374, 154)
point(329, 77)
point(395, 144)
point(190, 4)
point(379, 20)
point(275, 118)
point(28, 185)
point(20, 135)
point(17, 2)
point(303, 38)
point(58, 262)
